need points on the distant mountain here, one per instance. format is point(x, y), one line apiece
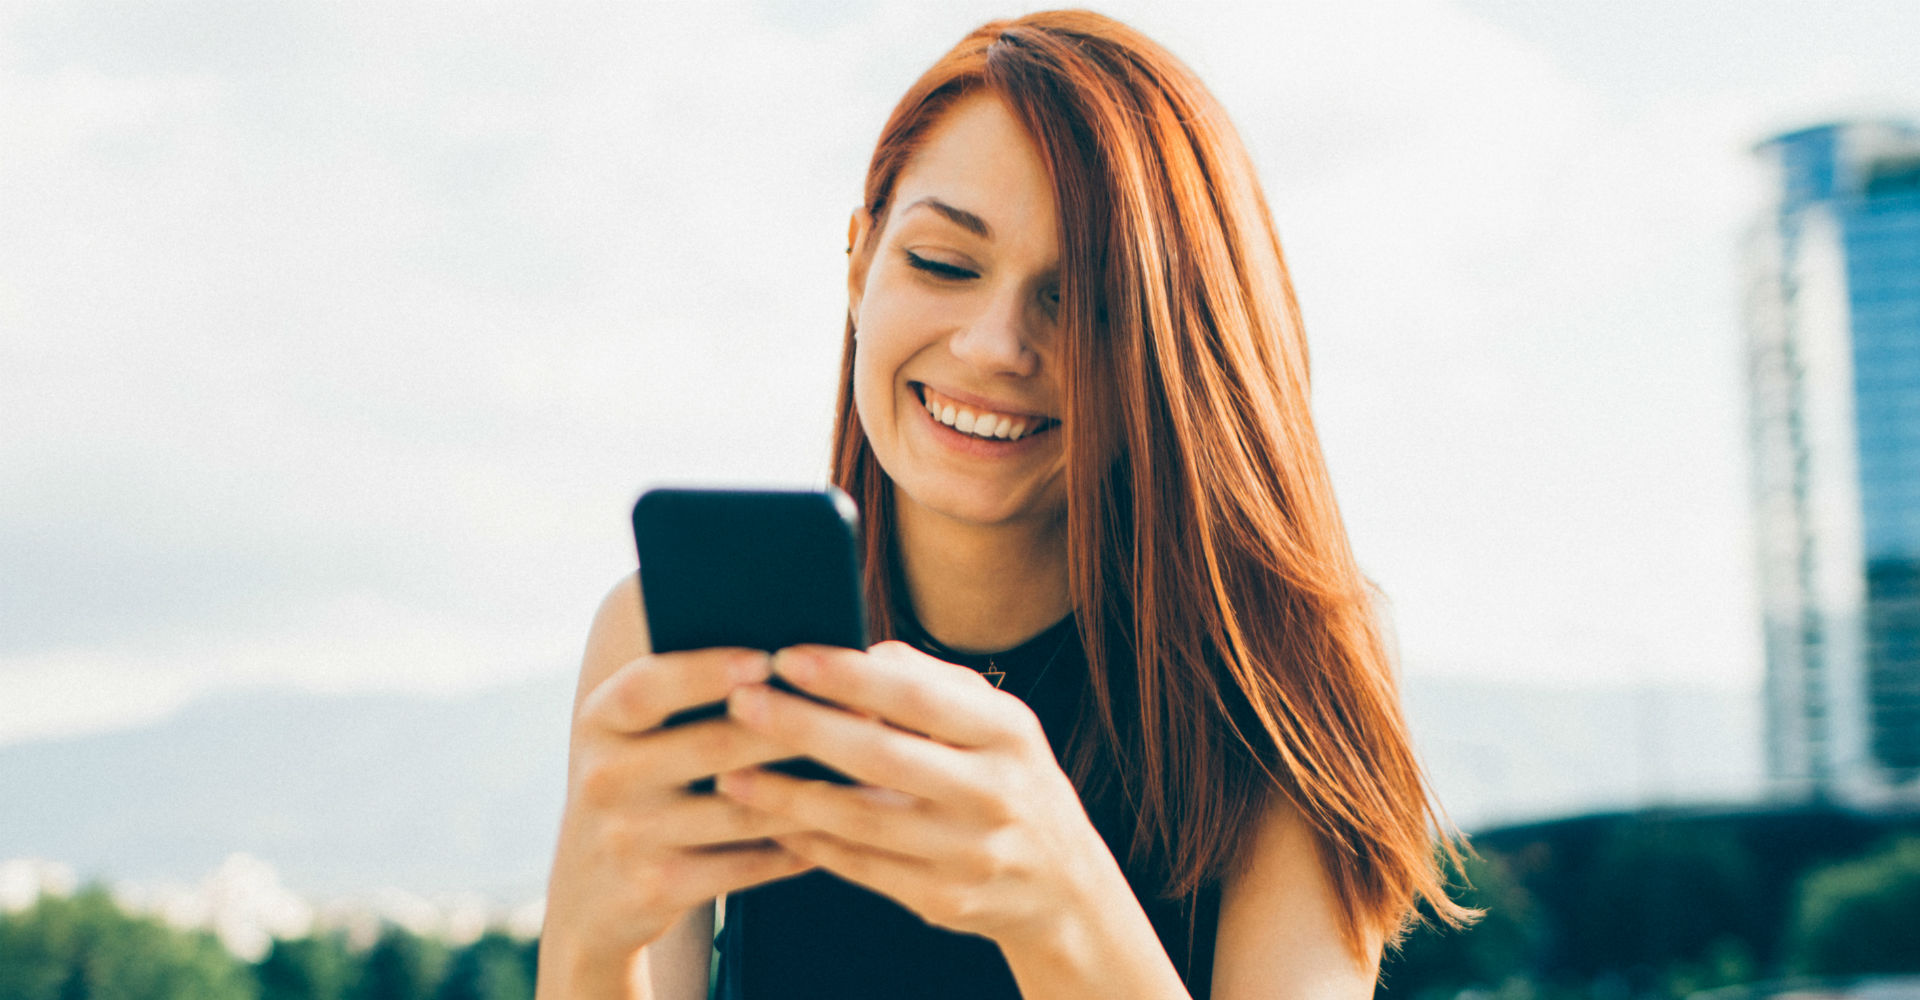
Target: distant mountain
point(345, 794)
point(341, 793)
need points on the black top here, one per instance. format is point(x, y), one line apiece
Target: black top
point(819, 936)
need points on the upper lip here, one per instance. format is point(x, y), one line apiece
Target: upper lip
point(982, 403)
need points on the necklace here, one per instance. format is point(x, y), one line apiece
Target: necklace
point(992, 669)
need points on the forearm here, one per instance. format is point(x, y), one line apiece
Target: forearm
point(567, 973)
point(671, 968)
point(1102, 945)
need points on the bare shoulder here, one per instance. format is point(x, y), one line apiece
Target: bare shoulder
point(1281, 917)
point(618, 636)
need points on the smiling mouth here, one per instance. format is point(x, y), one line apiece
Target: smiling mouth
point(987, 425)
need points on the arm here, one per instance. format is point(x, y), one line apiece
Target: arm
point(665, 969)
point(629, 899)
point(1279, 933)
point(1280, 921)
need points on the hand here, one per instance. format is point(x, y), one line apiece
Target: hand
point(638, 849)
point(963, 817)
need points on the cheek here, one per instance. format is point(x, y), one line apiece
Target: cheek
point(883, 343)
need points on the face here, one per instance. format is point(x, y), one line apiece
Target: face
point(955, 300)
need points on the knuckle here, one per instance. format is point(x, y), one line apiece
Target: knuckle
point(994, 858)
point(1023, 726)
point(630, 842)
point(919, 702)
point(997, 809)
point(953, 905)
point(599, 783)
point(632, 687)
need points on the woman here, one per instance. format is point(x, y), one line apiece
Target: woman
point(1141, 737)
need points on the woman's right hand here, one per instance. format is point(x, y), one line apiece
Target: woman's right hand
point(637, 849)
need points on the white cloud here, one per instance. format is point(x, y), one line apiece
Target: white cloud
point(337, 339)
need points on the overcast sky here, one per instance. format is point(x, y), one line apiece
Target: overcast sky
point(336, 340)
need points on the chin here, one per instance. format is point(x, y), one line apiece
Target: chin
point(981, 503)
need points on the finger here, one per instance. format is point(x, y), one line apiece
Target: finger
point(879, 818)
point(895, 876)
point(702, 875)
point(699, 820)
point(677, 755)
point(906, 687)
point(642, 694)
point(866, 749)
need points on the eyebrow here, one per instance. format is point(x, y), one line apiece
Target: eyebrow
point(958, 216)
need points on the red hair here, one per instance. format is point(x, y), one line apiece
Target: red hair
point(1209, 568)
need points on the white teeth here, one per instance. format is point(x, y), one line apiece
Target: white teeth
point(981, 425)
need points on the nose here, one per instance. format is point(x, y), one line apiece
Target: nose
point(999, 340)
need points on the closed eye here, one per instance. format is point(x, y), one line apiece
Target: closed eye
point(939, 269)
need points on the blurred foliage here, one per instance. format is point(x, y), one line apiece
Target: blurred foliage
point(491, 968)
point(318, 967)
point(1642, 906)
point(1663, 893)
point(401, 965)
point(1861, 916)
point(1437, 961)
point(84, 947)
point(1647, 906)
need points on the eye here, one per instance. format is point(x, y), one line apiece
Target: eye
point(1049, 301)
point(939, 269)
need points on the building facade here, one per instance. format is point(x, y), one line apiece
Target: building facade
point(1833, 367)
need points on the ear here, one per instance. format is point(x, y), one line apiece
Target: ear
point(859, 227)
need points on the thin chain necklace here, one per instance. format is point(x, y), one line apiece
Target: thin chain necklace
point(934, 647)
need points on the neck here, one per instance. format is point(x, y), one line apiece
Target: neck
point(982, 588)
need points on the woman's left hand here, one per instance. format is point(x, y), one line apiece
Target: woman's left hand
point(962, 815)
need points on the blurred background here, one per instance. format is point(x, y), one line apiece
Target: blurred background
point(337, 339)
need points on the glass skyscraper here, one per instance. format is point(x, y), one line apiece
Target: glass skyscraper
point(1833, 367)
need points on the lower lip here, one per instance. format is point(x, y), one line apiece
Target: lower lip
point(985, 447)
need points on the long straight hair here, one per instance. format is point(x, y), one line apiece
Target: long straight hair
point(1210, 572)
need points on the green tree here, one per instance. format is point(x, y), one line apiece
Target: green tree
point(491, 968)
point(85, 948)
point(1661, 893)
point(1861, 916)
point(530, 959)
point(316, 967)
point(1499, 947)
point(401, 965)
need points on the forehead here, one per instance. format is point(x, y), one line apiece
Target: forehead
point(979, 158)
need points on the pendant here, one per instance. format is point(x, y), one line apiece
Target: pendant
point(994, 674)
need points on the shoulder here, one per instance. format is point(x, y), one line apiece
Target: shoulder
point(617, 637)
point(1282, 919)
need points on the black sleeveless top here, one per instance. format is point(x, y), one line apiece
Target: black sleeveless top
point(818, 936)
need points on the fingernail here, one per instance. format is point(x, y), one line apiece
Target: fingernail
point(750, 668)
point(749, 703)
point(793, 665)
point(734, 783)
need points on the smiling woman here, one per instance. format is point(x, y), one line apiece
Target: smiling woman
point(1134, 731)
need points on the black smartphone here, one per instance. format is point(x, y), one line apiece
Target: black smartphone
point(763, 569)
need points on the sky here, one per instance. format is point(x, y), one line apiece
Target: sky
point(337, 340)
